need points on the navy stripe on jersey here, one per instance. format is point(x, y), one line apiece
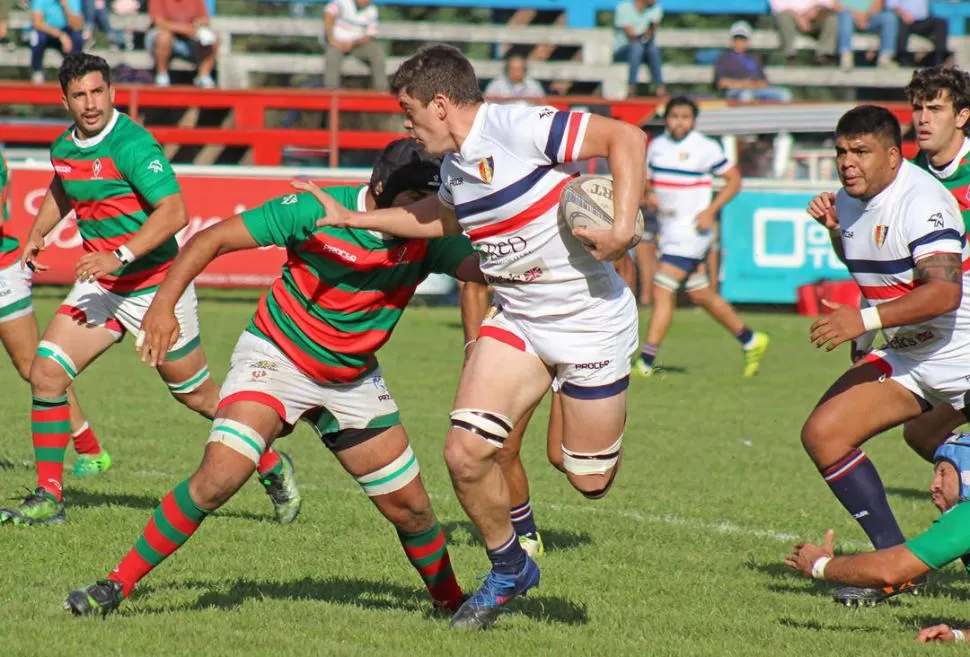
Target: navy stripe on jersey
point(556, 132)
point(679, 172)
point(879, 266)
point(501, 197)
point(937, 236)
point(719, 164)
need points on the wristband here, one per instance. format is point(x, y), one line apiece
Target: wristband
point(818, 568)
point(124, 254)
point(958, 635)
point(871, 319)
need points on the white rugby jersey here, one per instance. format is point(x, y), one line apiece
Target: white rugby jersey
point(682, 173)
point(504, 185)
point(884, 237)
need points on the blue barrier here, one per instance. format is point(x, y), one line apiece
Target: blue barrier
point(771, 246)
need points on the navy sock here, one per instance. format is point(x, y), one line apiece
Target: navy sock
point(523, 521)
point(744, 335)
point(648, 353)
point(855, 482)
point(509, 558)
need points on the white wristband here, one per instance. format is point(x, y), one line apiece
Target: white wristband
point(958, 635)
point(124, 254)
point(871, 319)
point(818, 568)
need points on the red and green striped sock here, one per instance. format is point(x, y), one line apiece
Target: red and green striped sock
point(428, 554)
point(171, 524)
point(269, 463)
point(50, 426)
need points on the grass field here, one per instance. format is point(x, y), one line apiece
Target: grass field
point(683, 558)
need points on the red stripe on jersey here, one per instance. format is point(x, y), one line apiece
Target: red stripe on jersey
point(321, 333)
point(80, 316)
point(98, 244)
point(681, 185)
point(534, 211)
point(891, 291)
point(333, 298)
point(575, 120)
point(85, 169)
point(256, 397)
point(127, 283)
point(108, 208)
point(175, 516)
point(358, 258)
point(502, 335)
point(9, 258)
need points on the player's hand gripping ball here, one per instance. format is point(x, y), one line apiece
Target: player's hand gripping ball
point(586, 204)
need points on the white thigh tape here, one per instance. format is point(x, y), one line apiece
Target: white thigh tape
point(666, 282)
point(588, 463)
point(238, 437)
point(190, 384)
point(493, 427)
point(697, 281)
point(54, 352)
point(394, 476)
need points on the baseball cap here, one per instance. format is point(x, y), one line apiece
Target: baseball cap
point(402, 167)
point(741, 29)
point(956, 452)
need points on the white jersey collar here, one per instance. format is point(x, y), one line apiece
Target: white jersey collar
point(98, 138)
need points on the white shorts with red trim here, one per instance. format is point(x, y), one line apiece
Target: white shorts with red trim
point(936, 382)
point(260, 372)
point(589, 352)
point(90, 304)
point(15, 300)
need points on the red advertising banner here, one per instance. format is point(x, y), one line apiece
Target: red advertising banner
point(210, 197)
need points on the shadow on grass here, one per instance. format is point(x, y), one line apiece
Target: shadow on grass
point(463, 532)
point(366, 594)
point(790, 581)
point(91, 499)
point(818, 626)
point(917, 494)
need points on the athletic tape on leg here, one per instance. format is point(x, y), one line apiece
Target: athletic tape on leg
point(394, 476)
point(588, 463)
point(493, 427)
point(238, 437)
point(52, 351)
point(697, 281)
point(666, 282)
point(191, 383)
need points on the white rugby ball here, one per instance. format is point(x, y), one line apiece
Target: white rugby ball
point(587, 202)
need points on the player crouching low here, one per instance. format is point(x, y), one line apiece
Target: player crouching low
point(309, 353)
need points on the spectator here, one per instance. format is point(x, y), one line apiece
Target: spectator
point(636, 24)
point(867, 16)
point(57, 24)
point(4, 16)
point(812, 17)
point(180, 29)
point(351, 26)
point(741, 75)
point(515, 82)
point(97, 17)
point(914, 18)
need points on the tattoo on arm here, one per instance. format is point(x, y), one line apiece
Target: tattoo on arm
point(940, 267)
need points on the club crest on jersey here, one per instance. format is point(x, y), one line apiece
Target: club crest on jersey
point(486, 169)
point(880, 234)
point(682, 156)
point(96, 169)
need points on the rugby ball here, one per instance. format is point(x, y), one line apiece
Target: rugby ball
point(587, 202)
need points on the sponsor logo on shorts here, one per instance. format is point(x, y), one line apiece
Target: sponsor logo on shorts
point(383, 394)
point(261, 368)
point(598, 365)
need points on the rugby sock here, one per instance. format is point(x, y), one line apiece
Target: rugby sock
point(508, 558)
point(428, 553)
point(270, 463)
point(523, 521)
point(85, 442)
point(744, 336)
point(855, 482)
point(171, 524)
point(50, 425)
point(648, 353)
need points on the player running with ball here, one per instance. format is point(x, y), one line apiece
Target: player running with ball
point(115, 177)
point(900, 233)
point(563, 310)
point(309, 353)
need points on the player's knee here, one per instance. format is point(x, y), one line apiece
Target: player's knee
point(410, 513)
point(701, 295)
point(820, 431)
point(475, 437)
point(51, 371)
point(508, 455)
point(210, 488)
point(593, 473)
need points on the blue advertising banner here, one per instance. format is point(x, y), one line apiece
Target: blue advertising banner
point(771, 246)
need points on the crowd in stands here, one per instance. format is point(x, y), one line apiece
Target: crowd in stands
point(180, 29)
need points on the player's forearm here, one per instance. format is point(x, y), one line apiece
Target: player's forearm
point(168, 218)
point(474, 305)
point(932, 299)
point(835, 236)
point(880, 568)
point(732, 185)
point(626, 154)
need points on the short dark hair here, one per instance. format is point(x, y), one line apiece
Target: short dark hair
point(403, 166)
point(681, 101)
point(927, 84)
point(871, 120)
point(78, 64)
point(438, 69)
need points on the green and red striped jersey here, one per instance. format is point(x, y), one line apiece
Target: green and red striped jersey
point(955, 177)
point(342, 290)
point(8, 243)
point(113, 180)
